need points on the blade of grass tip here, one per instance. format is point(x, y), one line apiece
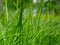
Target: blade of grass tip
point(7, 21)
point(17, 4)
point(6, 10)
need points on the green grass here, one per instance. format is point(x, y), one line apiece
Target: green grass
point(43, 30)
point(35, 30)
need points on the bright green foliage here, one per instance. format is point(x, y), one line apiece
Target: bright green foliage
point(19, 26)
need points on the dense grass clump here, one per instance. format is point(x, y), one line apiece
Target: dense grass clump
point(24, 27)
point(37, 30)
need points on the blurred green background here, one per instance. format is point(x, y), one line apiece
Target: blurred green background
point(29, 22)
